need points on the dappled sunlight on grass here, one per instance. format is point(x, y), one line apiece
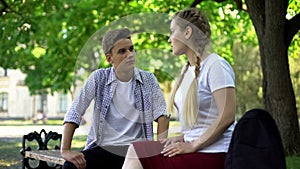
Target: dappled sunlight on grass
point(10, 153)
point(78, 142)
point(8, 163)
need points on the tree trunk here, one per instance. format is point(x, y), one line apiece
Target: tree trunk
point(268, 17)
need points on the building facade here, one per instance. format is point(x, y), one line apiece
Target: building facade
point(16, 101)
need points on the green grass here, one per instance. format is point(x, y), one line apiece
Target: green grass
point(9, 153)
point(293, 162)
point(10, 157)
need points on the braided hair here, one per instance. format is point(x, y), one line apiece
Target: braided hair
point(200, 38)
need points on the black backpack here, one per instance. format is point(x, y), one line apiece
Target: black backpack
point(256, 143)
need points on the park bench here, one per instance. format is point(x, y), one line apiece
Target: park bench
point(42, 157)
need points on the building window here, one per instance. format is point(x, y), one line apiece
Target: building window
point(41, 103)
point(4, 102)
point(62, 103)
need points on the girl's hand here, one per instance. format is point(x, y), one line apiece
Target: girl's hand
point(172, 140)
point(178, 148)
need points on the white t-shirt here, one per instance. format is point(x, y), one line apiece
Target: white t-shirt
point(122, 123)
point(215, 73)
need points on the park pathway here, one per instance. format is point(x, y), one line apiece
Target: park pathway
point(19, 131)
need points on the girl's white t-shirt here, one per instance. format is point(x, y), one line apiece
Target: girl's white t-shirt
point(215, 73)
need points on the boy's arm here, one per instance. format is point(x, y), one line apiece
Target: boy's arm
point(162, 127)
point(77, 158)
point(69, 129)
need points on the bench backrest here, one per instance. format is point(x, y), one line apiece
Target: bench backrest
point(42, 139)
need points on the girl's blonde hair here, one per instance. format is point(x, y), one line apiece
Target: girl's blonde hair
point(200, 38)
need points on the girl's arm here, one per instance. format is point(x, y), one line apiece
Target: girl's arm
point(225, 101)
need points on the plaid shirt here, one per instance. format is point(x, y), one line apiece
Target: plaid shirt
point(100, 87)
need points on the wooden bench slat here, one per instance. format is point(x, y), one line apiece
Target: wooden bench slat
point(53, 156)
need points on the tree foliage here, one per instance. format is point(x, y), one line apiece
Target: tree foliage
point(51, 40)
